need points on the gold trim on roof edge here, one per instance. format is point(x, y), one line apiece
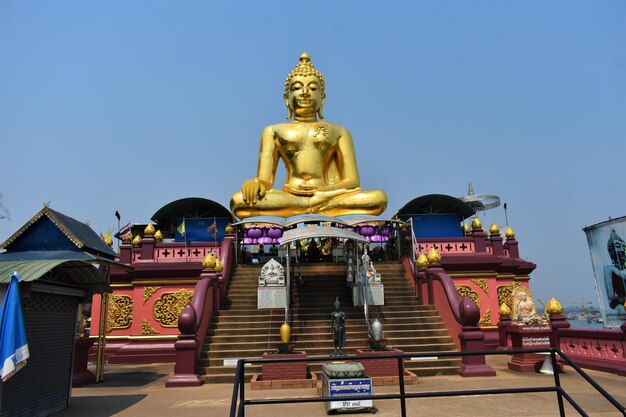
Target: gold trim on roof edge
point(44, 211)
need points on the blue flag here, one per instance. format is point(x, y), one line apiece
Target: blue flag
point(13, 344)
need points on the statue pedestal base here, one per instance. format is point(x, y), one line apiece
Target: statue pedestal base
point(284, 370)
point(530, 336)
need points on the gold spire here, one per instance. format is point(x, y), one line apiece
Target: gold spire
point(466, 229)
point(158, 236)
point(422, 261)
point(494, 229)
point(304, 69)
point(510, 234)
point(504, 310)
point(149, 230)
point(477, 224)
point(554, 307)
point(434, 257)
point(137, 241)
point(208, 262)
point(219, 267)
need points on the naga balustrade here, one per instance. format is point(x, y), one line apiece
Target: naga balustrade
point(194, 319)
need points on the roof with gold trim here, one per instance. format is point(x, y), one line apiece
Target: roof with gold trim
point(80, 235)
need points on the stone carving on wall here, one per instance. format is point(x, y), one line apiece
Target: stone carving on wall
point(120, 314)
point(168, 306)
point(146, 328)
point(149, 292)
point(465, 291)
point(272, 274)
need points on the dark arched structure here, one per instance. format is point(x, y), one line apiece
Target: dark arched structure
point(436, 215)
point(436, 204)
point(188, 208)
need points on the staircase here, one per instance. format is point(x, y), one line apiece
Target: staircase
point(242, 331)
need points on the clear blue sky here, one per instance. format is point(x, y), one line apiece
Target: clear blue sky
point(128, 105)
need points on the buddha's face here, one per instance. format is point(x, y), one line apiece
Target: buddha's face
point(305, 95)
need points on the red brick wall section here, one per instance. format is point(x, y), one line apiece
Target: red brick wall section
point(380, 367)
point(284, 370)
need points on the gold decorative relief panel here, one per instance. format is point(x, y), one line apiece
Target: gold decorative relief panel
point(149, 292)
point(465, 291)
point(168, 306)
point(120, 312)
point(146, 328)
point(505, 292)
point(485, 320)
point(482, 283)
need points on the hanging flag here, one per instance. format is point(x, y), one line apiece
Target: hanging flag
point(13, 344)
point(117, 214)
point(212, 229)
point(124, 231)
point(181, 228)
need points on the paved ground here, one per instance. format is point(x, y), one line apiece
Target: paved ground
point(139, 390)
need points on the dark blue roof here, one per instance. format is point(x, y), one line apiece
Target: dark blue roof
point(50, 230)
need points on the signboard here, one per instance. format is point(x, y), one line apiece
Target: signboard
point(608, 256)
point(271, 297)
point(347, 387)
point(535, 342)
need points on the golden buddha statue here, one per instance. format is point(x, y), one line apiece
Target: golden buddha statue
point(322, 174)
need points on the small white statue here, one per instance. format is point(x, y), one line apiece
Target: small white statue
point(272, 275)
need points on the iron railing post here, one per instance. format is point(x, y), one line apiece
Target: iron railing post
point(401, 382)
point(557, 382)
point(242, 383)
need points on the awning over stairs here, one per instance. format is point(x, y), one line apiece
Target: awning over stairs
point(319, 231)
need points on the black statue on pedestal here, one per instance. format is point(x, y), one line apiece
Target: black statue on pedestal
point(339, 330)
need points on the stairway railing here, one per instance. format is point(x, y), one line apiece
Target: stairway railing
point(193, 322)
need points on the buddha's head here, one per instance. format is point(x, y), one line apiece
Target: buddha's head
point(305, 90)
point(617, 250)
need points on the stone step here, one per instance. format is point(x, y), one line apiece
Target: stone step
point(312, 315)
point(266, 312)
point(325, 341)
point(314, 326)
point(215, 356)
point(274, 336)
point(241, 330)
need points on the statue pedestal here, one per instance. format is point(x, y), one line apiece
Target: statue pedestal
point(284, 370)
point(531, 336)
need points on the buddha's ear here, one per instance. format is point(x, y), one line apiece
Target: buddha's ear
point(319, 110)
point(289, 109)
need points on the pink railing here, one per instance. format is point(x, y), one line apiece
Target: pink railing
point(596, 349)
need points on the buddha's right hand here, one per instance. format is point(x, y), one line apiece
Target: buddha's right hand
point(252, 190)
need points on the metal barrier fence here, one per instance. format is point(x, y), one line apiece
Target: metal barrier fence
point(239, 402)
